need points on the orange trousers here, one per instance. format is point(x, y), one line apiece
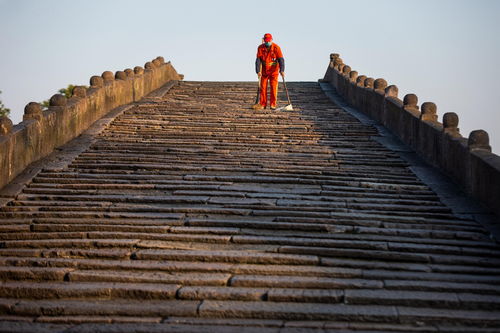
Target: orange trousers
point(273, 79)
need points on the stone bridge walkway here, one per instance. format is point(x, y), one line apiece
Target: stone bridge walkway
point(192, 212)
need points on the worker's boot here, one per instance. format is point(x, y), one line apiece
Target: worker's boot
point(258, 106)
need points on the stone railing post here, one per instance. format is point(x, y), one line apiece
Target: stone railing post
point(410, 120)
point(450, 124)
point(429, 134)
point(479, 140)
point(33, 110)
point(392, 108)
point(377, 101)
point(5, 126)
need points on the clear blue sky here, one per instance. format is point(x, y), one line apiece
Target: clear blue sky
point(445, 51)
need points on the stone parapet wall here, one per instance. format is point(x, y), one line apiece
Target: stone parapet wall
point(469, 161)
point(41, 131)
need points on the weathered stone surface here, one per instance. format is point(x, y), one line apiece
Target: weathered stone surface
point(369, 82)
point(96, 81)
point(429, 110)
point(410, 101)
point(108, 76)
point(58, 100)
point(138, 70)
point(391, 91)
point(301, 282)
point(221, 293)
point(227, 256)
point(5, 125)
point(129, 72)
point(153, 277)
point(296, 311)
point(120, 75)
point(33, 110)
point(307, 295)
point(380, 84)
point(80, 91)
point(479, 139)
point(397, 297)
point(106, 308)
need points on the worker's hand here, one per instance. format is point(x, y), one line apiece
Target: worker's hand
point(282, 74)
point(259, 75)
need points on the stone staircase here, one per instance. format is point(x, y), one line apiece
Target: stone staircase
point(191, 212)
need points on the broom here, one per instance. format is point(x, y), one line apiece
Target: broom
point(288, 107)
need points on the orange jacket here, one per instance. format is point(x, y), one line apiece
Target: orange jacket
point(271, 60)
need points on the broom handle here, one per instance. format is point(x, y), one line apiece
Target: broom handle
point(257, 99)
point(287, 96)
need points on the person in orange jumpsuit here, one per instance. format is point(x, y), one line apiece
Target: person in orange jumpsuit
point(268, 65)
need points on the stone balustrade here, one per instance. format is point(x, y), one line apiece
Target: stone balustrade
point(41, 131)
point(469, 161)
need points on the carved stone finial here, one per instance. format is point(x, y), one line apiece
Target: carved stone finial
point(340, 67)
point(333, 56)
point(161, 60)
point(353, 75)
point(410, 101)
point(58, 100)
point(32, 110)
point(129, 72)
point(479, 139)
point(392, 91)
point(369, 81)
point(450, 120)
point(360, 80)
point(120, 75)
point(429, 110)
point(96, 81)
point(379, 84)
point(108, 76)
point(156, 63)
point(346, 69)
point(138, 70)
point(5, 125)
point(80, 91)
point(148, 65)
point(450, 124)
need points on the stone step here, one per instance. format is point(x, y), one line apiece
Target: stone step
point(156, 308)
point(209, 279)
point(342, 312)
point(393, 256)
point(85, 239)
point(151, 214)
point(302, 222)
point(71, 243)
point(146, 222)
point(417, 298)
point(73, 259)
point(241, 256)
point(53, 290)
point(255, 310)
